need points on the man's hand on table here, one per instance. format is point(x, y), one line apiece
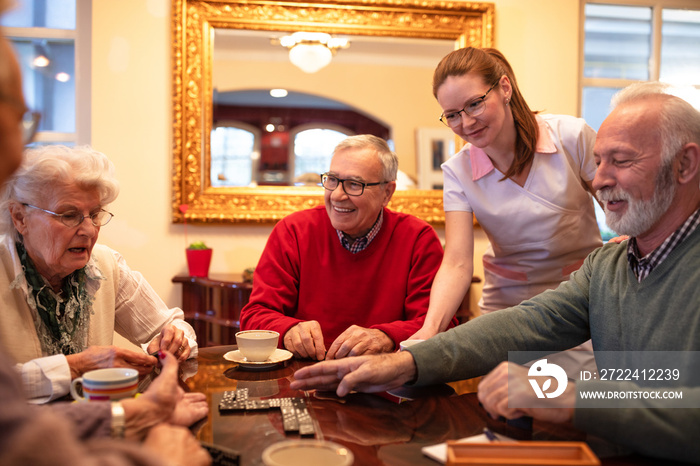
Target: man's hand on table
point(358, 341)
point(376, 373)
point(163, 401)
point(305, 340)
point(495, 395)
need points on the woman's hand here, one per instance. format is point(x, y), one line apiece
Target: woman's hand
point(618, 239)
point(172, 340)
point(163, 401)
point(100, 357)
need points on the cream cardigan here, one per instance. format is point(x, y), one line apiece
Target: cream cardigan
point(123, 302)
point(17, 330)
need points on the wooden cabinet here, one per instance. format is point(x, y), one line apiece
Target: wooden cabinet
point(212, 305)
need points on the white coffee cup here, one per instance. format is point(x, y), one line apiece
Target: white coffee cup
point(406, 343)
point(106, 384)
point(257, 345)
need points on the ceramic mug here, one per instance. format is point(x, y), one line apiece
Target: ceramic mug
point(257, 345)
point(106, 384)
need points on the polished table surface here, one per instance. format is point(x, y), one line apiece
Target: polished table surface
point(378, 430)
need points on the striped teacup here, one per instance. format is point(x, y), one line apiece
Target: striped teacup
point(106, 384)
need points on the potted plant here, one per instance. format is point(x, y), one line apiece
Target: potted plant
point(198, 259)
point(198, 253)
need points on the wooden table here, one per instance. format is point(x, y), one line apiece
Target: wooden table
point(377, 430)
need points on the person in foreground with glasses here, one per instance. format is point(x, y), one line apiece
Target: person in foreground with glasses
point(352, 277)
point(637, 300)
point(79, 433)
point(63, 295)
point(525, 177)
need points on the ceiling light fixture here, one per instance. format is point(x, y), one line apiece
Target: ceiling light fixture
point(41, 61)
point(41, 51)
point(62, 77)
point(311, 51)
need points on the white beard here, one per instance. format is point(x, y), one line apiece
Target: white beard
point(640, 216)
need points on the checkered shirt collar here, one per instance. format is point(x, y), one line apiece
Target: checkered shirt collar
point(360, 244)
point(643, 266)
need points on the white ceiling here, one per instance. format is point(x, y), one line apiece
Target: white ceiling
point(247, 45)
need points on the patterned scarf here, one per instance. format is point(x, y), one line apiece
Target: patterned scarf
point(63, 322)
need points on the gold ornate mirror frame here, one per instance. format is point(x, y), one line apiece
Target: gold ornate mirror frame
point(193, 23)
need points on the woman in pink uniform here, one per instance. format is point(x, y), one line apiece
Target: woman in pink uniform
point(525, 177)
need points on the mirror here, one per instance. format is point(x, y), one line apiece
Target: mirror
point(194, 25)
point(375, 85)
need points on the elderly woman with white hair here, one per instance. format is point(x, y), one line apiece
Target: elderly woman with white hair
point(63, 295)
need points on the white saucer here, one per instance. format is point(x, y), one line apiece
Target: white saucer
point(277, 357)
point(305, 452)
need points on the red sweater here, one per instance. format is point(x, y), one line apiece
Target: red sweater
point(306, 274)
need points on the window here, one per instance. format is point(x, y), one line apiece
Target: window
point(313, 149)
point(629, 41)
point(49, 37)
point(234, 154)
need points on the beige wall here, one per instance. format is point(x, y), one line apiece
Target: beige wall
point(131, 123)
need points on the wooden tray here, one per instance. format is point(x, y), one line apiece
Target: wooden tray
point(520, 453)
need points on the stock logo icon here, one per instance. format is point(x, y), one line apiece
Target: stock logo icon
point(543, 368)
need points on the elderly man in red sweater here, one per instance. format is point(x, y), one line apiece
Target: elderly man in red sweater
point(351, 278)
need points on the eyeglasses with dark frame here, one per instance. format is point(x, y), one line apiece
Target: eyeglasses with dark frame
point(74, 218)
point(473, 108)
point(351, 187)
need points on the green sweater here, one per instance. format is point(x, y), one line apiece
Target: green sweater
point(604, 302)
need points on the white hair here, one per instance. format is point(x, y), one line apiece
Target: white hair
point(387, 157)
point(51, 167)
point(679, 120)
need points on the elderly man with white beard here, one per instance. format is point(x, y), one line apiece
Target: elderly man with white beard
point(640, 295)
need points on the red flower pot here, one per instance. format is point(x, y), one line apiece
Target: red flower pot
point(198, 261)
